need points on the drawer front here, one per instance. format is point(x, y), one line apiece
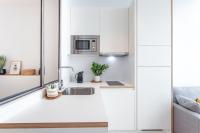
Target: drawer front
point(153, 56)
point(154, 98)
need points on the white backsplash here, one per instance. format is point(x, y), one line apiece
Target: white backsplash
point(118, 67)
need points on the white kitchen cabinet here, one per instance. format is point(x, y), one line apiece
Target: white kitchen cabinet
point(85, 21)
point(153, 22)
point(154, 98)
point(153, 66)
point(153, 56)
point(120, 108)
point(114, 30)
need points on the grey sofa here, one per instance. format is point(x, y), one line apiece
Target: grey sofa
point(186, 121)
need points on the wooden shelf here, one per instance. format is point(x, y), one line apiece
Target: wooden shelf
point(19, 75)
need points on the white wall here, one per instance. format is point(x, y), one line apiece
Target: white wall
point(118, 66)
point(186, 42)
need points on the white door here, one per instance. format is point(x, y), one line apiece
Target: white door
point(153, 22)
point(154, 98)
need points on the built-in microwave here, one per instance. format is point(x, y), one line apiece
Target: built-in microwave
point(85, 44)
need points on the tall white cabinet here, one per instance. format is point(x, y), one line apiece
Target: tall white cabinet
point(153, 64)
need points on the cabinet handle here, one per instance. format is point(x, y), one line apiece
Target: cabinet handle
point(152, 130)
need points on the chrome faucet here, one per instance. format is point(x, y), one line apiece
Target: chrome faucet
point(60, 69)
point(68, 67)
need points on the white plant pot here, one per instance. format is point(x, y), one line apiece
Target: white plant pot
point(52, 92)
point(97, 78)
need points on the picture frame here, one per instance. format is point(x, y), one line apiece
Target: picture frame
point(15, 67)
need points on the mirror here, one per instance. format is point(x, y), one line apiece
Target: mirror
point(20, 43)
point(30, 43)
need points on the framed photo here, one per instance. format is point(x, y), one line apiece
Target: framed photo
point(15, 67)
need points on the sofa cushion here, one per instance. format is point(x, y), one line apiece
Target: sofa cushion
point(188, 103)
point(190, 92)
point(197, 100)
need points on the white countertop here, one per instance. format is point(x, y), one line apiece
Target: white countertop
point(65, 109)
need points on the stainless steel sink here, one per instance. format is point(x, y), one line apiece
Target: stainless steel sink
point(79, 91)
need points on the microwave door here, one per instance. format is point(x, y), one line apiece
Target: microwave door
point(82, 45)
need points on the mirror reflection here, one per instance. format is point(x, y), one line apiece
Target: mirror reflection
point(20, 46)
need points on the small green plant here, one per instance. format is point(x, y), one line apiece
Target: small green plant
point(98, 69)
point(52, 86)
point(2, 61)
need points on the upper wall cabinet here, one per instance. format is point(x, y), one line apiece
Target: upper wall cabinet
point(153, 22)
point(85, 21)
point(114, 30)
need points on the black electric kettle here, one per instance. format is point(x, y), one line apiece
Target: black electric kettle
point(79, 77)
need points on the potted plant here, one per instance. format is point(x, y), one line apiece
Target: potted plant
point(2, 65)
point(52, 90)
point(98, 70)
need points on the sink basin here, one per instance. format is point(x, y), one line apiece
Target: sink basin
point(79, 91)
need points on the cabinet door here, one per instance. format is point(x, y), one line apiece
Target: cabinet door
point(85, 21)
point(120, 108)
point(153, 56)
point(114, 30)
point(154, 22)
point(154, 98)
